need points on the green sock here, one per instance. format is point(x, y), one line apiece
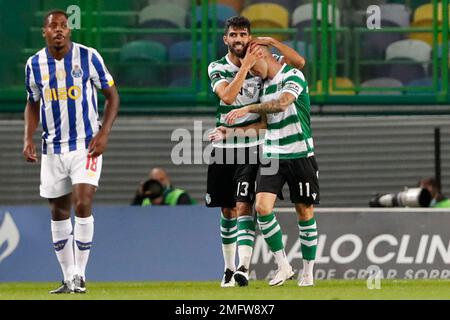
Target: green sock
point(228, 230)
point(308, 238)
point(246, 231)
point(271, 231)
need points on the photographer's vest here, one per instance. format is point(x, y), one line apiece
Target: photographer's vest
point(170, 198)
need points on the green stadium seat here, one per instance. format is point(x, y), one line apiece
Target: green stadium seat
point(268, 15)
point(142, 63)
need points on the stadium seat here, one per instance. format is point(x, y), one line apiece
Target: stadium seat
point(162, 16)
point(268, 15)
point(413, 57)
point(300, 46)
point(186, 4)
point(374, 44)
point(237, 5)
point(288, 4)
point(180, 58)
point(363, 4)
point(223, 12)
point(424, 82)
point(341, 83)
point(423, 17)
point(302, 18)
point(416, 50)
point(381, 82)
point(142, 63)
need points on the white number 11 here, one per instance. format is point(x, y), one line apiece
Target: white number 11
point(307, 189)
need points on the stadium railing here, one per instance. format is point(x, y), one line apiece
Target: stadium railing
point(335, 54)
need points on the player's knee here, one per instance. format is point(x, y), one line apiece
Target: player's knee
point(229, 212)
point(60, 213)
point(263, 208)
point(305, 211)
point(243, 208)
point(83, 205)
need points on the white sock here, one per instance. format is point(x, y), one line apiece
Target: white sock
point(245, 255)
point(281, 259)
point(83, 235)
point(229, 255)
point(63, 245)
point(308, 266)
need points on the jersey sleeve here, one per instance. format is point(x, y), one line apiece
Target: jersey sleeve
point(33, 92)
point(294, 82)
point(100, 75)
point(216, 75)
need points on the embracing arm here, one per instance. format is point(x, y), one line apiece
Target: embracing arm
point(291, 57)
point(251, 130)
point(272, 106)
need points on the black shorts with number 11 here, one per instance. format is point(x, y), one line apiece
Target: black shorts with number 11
point(301, 175)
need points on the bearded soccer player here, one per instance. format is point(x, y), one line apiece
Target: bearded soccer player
point(231, 183)
point(61, 82)
point(288, 140)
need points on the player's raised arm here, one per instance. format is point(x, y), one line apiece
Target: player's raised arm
point(31, 116)
point(291, 57)
point(98, 144)
point(228, 91)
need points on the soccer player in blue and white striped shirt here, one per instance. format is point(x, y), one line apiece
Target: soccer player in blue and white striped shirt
point(61, 82)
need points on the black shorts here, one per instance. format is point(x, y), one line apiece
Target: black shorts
point(302, 176)
point(232, 178)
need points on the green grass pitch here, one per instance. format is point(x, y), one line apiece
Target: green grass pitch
point(257, 290)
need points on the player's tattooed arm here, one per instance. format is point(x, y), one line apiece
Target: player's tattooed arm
point(272, 106)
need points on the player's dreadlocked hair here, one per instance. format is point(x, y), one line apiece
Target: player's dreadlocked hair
point(237, 22)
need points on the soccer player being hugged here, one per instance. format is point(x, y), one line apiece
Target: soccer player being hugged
point(231, 183)
point(288, 146)
point(61, 82)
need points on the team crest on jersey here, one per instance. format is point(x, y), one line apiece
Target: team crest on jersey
point(77, 72)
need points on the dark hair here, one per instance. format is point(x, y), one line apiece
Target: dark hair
point(55, 11)
point(152, 189)
point(237, 22)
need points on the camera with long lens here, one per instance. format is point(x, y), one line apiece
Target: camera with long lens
point(413, 197)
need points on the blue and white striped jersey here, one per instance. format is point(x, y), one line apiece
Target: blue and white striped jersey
point(68, 99)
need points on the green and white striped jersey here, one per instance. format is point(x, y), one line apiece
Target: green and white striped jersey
point(288, 134)
point(224, 70)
